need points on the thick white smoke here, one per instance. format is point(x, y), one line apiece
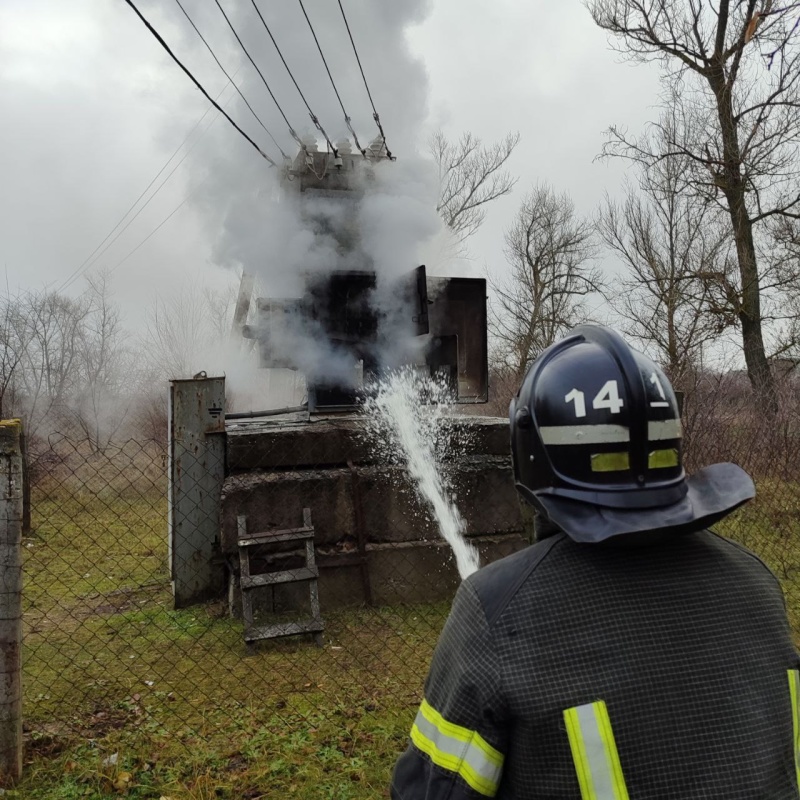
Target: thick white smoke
point(264, 229)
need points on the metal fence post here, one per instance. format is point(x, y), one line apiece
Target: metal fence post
point(196, 474)
point(11, 474)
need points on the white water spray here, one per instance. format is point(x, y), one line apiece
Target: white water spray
point(405, 421)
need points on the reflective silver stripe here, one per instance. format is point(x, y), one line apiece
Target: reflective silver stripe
point(594, 753)
point(607, 434)
point(665, 429)
point(458, 750)
point(584, 434)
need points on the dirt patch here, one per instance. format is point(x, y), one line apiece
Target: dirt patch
point(46, 741)
point(95, 605)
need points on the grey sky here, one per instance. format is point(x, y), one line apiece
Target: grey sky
point(92, 108)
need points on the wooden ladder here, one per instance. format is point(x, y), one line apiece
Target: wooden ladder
point(249, 582)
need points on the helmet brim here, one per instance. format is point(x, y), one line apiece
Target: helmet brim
point(712, 493)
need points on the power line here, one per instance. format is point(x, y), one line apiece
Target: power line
point(81, 268)
point(261, 75)
point(219, 64)
point(166, 219)
point(347, 119)
point(94, 260)
point(375, 115)
point(196, 82)
point(314, 118)
point(160, 225)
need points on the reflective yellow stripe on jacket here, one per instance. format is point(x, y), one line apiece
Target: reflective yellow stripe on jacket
point(794, 693)
point(594, 752)
point(458, 750)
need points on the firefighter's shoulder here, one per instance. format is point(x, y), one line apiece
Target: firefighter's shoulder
point(497, 584)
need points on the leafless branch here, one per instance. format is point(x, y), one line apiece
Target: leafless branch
point(471, 175)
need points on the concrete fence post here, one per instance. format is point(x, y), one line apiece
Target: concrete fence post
point(11, 475)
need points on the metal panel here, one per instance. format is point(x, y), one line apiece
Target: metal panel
point(196, 474)
point(411, 293)
point(458, 308)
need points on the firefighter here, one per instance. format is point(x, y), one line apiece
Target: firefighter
point(630, 652)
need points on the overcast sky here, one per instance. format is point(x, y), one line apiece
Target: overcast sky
point(92, 108)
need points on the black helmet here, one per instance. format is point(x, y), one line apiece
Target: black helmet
point(596, 444)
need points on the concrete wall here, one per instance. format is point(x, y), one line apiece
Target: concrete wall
point(407, 573)
point(276, 470)
point(326, 441)
point(484, 494)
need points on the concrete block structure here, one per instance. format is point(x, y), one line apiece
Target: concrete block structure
point(375, 543)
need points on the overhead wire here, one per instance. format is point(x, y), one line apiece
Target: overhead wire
point(219, 64)
point(90, 260)
point(197, 83)
point(375, 114)
point(347, 119)
point(169, 216)
point(160, 225)
point(313, 116)
point(261, 75)
point(219, 108)
point(143, 207)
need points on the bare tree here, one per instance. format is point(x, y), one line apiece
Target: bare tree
point(471, 175)
point(732, 68)
point(184, 332)
point(64, 363)
point(14, 335)
point(102, 401)
point(785, 259)
point(669, 242)
point(549, 249)
point(49, 370)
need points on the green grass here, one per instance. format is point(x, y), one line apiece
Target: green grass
point(109, 668)
point(770, 527)
point(84, 545)
point(193, 715)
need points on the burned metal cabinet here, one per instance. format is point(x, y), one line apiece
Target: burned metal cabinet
point(438, 323)
point(339, 306)
point(196, 475)
point(458, 330)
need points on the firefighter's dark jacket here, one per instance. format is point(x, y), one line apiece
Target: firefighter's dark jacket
point(586, 671)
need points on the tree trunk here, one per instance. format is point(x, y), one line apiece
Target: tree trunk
point(755, 357)
point(749, 312)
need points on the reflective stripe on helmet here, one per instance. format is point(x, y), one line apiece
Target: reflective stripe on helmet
point(794, 694)
point(458, 750)
point(661, 459)
point(617, 462)
point(584, 434)
point(610, 462)
point(664, 429)
point(606, 434)
point(594, 752)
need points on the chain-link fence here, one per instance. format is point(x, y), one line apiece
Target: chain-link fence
point(124, 694)
point(128, 694)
